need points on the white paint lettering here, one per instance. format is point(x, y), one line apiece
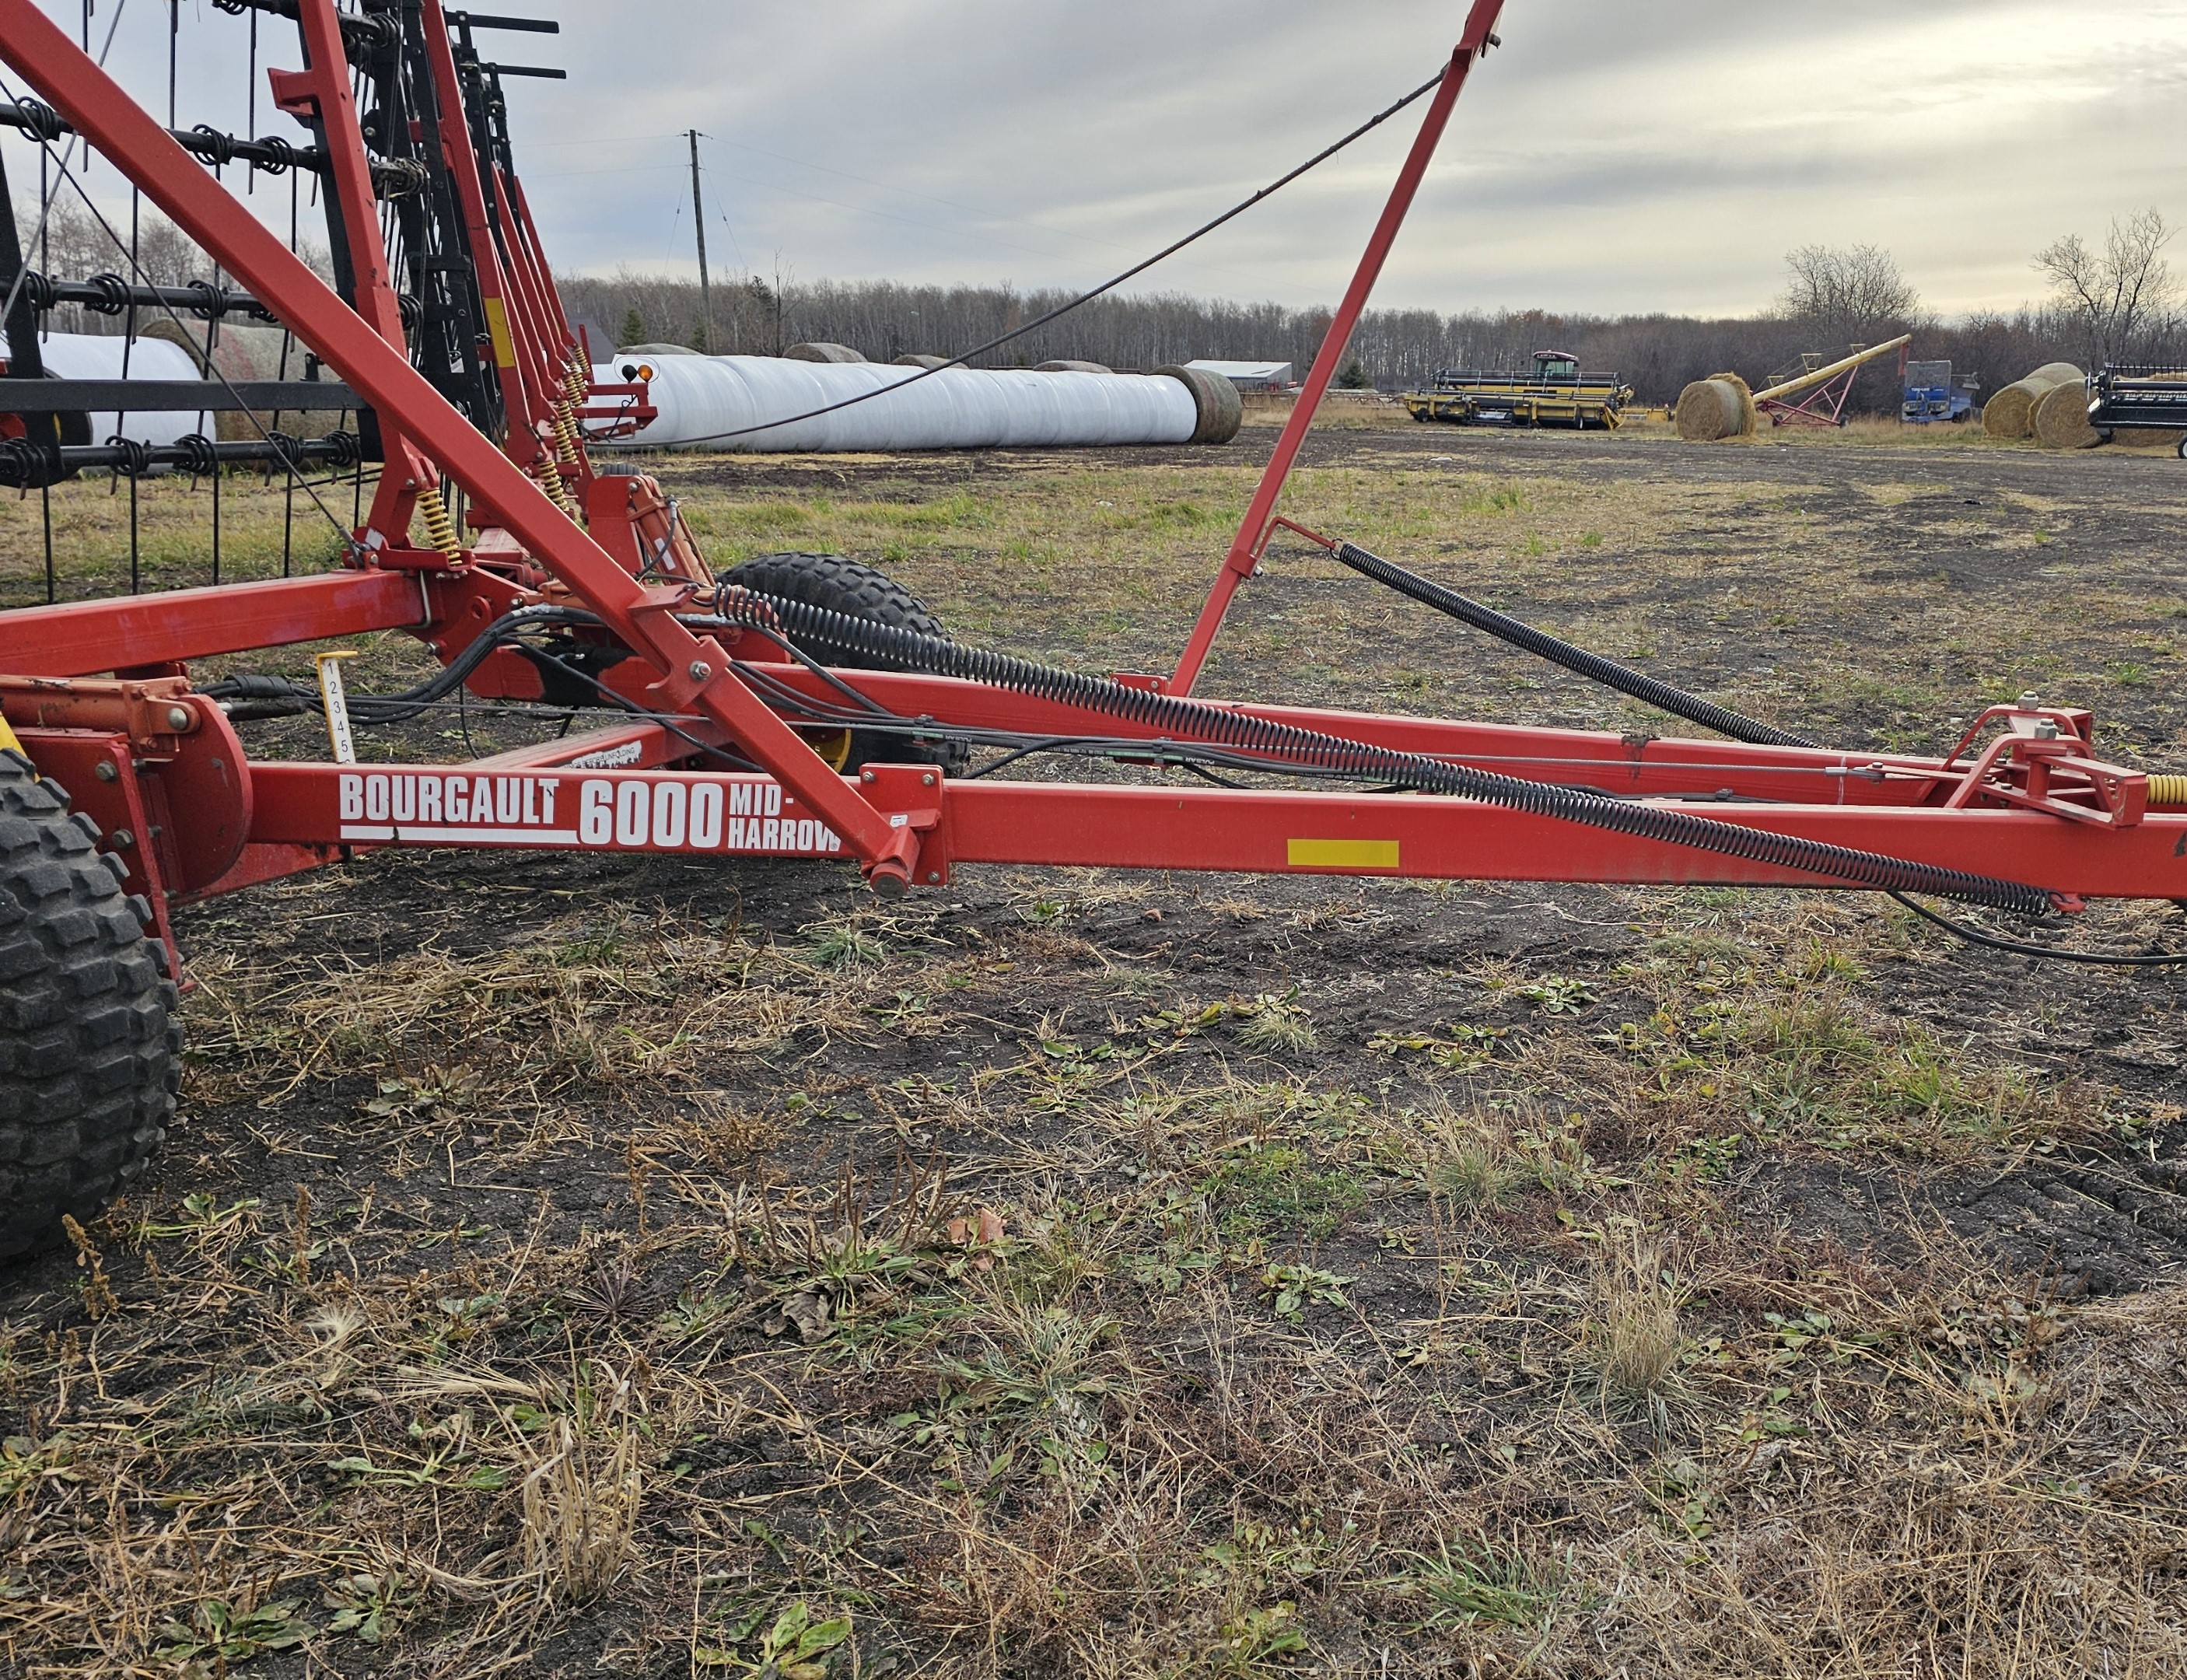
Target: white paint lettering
point(630, 814)
point(596, 812)
point(352, 792)
point(706, 816)
point(668, 814)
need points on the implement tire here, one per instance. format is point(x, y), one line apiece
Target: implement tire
point(857, 591)
point(90, 1032)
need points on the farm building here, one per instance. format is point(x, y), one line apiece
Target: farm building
point(1250, 375)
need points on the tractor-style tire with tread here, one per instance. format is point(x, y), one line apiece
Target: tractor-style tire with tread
point(90, 1032)
point(855, 590)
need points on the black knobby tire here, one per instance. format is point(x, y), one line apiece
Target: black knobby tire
point(857, 591)
point(90, 1032)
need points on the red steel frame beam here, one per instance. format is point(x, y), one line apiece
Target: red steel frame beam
point(80, 638)
point(530, 805)
point(1646, 766)
point(1244, 556)
point(694, 671)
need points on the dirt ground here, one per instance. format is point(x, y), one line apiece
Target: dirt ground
point(664, 1268)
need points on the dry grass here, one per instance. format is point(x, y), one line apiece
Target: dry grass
point(1637, 1344)
point(676, 1269)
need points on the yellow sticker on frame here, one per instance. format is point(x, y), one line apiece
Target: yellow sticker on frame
point(1343, 854)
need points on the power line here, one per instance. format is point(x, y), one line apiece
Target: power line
point(1108, 285)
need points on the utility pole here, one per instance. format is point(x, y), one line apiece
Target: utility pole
point(698, 221)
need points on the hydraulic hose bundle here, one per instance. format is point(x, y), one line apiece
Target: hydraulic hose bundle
point(252, 695)
point(1593, 666)
point(1174, 717)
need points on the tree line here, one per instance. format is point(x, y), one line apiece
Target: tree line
point(2115, 299)
point(2112, 298)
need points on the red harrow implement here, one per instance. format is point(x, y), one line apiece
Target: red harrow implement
point(797, 707)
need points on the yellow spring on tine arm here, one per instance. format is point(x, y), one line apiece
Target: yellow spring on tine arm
point(440, 529)
point(2167, 790)
point(550, 476)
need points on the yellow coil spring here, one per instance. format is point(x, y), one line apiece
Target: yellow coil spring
point(550, 475)
point(2167, 789)
point(440, 529)
point(574, 382)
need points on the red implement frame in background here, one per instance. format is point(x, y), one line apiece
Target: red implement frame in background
point(2034, 805)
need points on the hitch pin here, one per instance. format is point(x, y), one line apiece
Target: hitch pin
point(335, 699)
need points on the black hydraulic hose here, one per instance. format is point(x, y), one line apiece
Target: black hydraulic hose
point(1174, 716)
point(258, 691)
point(1593, 666)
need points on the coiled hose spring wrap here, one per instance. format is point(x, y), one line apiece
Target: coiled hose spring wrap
point(817, 629)
point(1593, 666)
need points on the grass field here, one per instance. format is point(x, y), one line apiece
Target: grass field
point(567, 1266)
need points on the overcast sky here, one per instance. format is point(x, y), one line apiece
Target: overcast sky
point(1612, 157)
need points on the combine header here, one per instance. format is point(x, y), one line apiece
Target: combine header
point(795, 707)
point(1555, 394)
point(2140, 399)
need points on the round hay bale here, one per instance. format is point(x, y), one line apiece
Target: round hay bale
point(2061, 417)
point(2148, 438)
point(1222, 411)
point(822, 352)
point(2006, 414)
point(2011, 413)
point(1070, 367)
point(656, 350)
point(911, 359)
point(252, 353)
point(1714, 409)
point(1749, 415)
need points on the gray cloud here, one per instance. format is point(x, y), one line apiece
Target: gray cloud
point(1614, 155)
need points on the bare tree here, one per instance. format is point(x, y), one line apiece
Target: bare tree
point(1847, 294)
point(2117, 296)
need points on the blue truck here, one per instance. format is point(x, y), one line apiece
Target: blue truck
point(1930, 395)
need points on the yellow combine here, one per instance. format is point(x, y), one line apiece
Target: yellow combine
point(1555, 394)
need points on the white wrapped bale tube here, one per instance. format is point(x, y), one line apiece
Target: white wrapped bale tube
point(100, 356)
point(709, 403)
